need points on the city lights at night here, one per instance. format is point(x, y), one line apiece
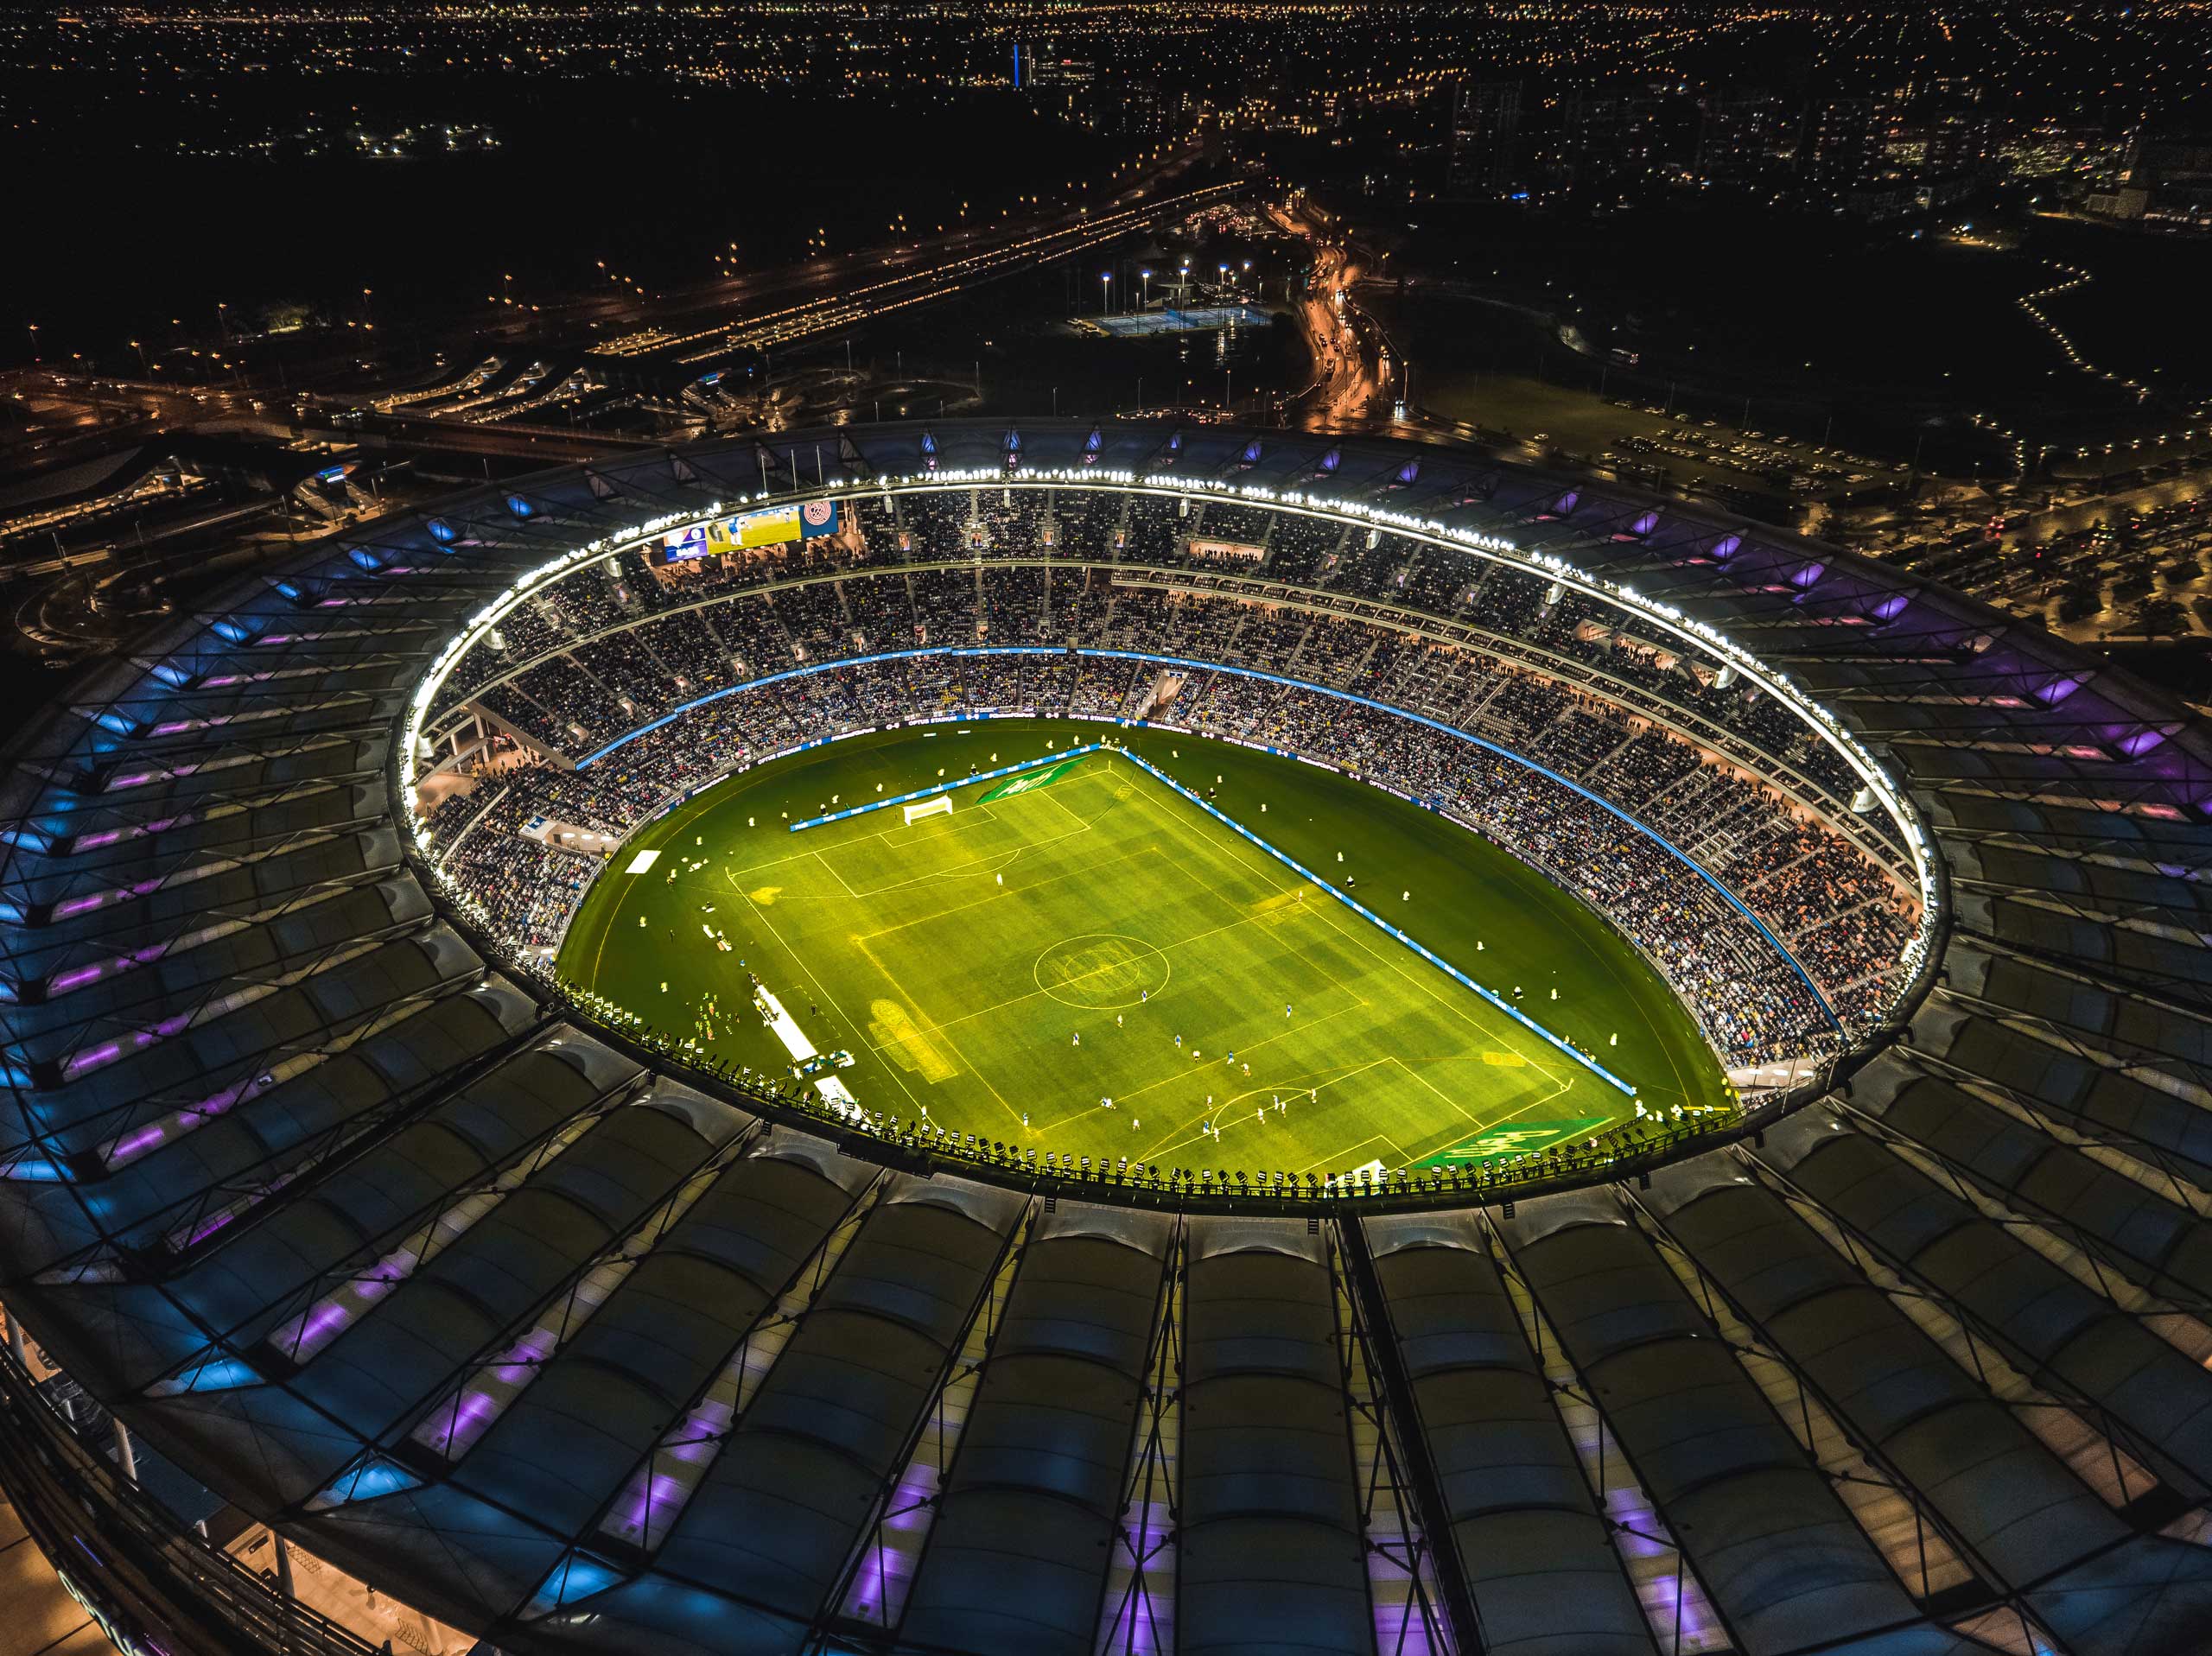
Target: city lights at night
point(1073, 830)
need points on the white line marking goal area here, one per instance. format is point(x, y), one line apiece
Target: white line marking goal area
point(1060, 762)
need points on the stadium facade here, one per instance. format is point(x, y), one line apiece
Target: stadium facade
point(320, 1185)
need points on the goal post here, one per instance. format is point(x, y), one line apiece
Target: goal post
point(940, 806)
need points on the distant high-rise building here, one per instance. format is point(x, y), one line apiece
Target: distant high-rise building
point(1059, 81)
point(1743, 138)
point(1485, 149)
point(1583, 150)
point(1843, 146)
point(1145, 108)
point(1048, 67)
point(1658, 135)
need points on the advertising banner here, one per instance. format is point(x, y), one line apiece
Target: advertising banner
point(775, 525)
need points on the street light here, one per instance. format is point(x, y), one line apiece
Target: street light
point(35, 355)
point(1145, 302)
point(1106, 291)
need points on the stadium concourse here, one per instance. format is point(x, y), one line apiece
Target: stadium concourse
point(328, 1209)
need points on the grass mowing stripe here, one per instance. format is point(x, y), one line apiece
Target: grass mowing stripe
point(1366, 913)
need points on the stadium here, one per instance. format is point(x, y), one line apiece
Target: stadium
point(1107, 1039)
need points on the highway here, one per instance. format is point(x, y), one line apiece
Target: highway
point(704, 334)
point(1347, 347)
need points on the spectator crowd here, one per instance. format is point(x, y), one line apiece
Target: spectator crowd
point(1529, 673)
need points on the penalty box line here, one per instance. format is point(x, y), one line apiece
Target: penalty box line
point(948, 787)
point(1376, 920)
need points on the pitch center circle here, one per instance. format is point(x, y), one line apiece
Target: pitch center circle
point(1100, 971)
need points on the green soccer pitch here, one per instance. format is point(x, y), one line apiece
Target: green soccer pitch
point(1005, 968)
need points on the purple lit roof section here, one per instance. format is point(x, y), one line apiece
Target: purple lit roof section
point(455, 1426)
point(452, 1427)
point(660, 1488)
point(300, 1337)
point(129, 1147)
point(647, 1507)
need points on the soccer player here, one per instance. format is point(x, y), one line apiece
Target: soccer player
point(1078, 1040)
point(1286, 1009)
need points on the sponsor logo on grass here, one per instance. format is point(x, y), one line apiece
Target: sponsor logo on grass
point(1523, 1137)
point(1029, 781)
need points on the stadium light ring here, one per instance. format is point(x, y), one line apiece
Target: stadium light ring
point(1531, 1176)
point(1698, 635)
point(1918, 955)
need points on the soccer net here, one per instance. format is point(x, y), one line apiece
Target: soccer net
point(941, 806)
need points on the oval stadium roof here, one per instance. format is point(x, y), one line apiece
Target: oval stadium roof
point(361, 1227)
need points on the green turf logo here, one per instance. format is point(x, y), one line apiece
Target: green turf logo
point(1523, 1138)
point(1029, 781)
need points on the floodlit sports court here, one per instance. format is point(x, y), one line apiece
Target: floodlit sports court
point(1078, 958)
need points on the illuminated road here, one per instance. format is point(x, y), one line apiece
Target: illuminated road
point(739, 327)
point(1349, 369)
point(729, 299)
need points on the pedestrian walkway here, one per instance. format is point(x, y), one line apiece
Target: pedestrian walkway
point(37, 1615)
